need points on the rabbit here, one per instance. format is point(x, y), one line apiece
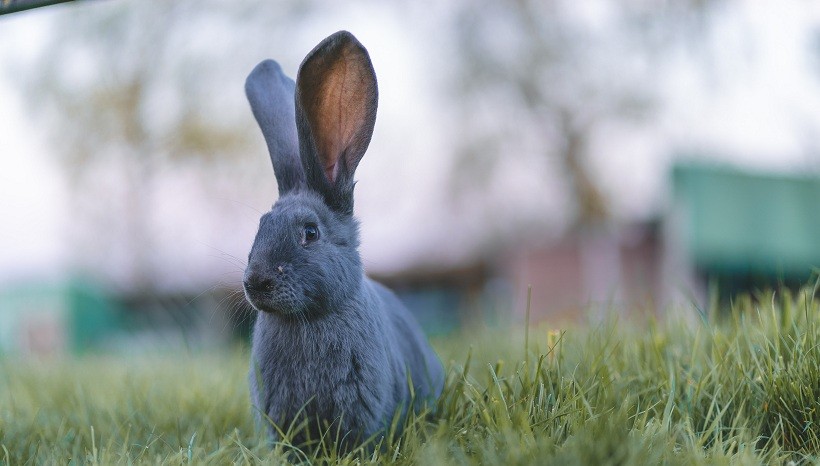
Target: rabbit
point(329, 345)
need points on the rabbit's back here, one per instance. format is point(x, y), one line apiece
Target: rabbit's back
point(418, 359)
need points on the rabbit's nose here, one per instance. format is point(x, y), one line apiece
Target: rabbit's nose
point(258, 282)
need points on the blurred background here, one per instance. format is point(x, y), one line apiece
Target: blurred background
point(623, 157)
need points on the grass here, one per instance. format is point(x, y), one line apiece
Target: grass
point(744, 389)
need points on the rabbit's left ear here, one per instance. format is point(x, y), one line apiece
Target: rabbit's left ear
point(270, 94)
point(336, 100)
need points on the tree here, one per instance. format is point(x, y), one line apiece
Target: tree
point(536, 79)
point(124, 88)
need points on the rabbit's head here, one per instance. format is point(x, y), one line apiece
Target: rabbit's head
point(304, 260)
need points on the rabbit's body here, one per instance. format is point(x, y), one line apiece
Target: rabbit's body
point(330, 346)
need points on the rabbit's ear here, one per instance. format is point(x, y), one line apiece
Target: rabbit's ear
point(271, 95)
point(336, 99)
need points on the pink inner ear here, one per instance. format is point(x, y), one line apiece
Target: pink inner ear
point(331, 172)
point(338, 91)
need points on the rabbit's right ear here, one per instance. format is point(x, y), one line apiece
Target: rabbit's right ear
point(271, 95)
point(336, 100)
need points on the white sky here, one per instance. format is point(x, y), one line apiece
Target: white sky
point(754, 99)
point(760, 104)
point(31, 188)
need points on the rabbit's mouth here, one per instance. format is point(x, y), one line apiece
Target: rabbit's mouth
point(274, 303)
point(282, 302)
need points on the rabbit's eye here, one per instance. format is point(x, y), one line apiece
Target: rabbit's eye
point(311, 233)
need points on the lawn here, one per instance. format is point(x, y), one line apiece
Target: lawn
point(741, 388)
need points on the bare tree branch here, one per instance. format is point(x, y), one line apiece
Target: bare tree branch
point(14, 6)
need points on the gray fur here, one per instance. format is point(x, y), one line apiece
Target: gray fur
point(327, 340)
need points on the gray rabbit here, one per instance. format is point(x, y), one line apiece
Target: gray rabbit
point(330, 346)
